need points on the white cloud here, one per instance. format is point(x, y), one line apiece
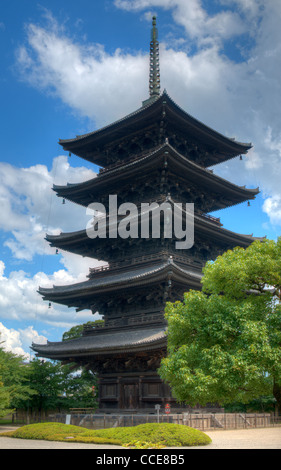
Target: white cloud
point(19, 341)
point(84, 77)
point(78, 266)
point(30, 208)
point(33, 209)
point(272, 207)
point(206, 29)
point(20, 301)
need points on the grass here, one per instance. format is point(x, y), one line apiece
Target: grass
point(141, 436)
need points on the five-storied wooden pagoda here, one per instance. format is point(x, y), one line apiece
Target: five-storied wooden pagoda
point(158, 153)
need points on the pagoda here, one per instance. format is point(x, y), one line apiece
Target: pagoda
point(159, 153)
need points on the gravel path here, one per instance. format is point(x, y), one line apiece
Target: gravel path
point(261, 438)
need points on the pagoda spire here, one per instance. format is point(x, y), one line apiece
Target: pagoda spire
point(154, 73)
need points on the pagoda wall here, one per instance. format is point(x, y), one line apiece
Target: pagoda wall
point(133, 392)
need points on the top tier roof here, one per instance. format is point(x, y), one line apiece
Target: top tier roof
point(91, 146)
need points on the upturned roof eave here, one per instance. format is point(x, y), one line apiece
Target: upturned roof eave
point(82, 347)
point(140, 276)
point(75, 145)
point(240, 147)
point(69, 144)
point(204, 224)
point(132, 168)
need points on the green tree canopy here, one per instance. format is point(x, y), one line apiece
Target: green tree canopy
point(14, 382)
point(42, 385)
point(77, 330)
point(224, 342)
point(57, 386)
point(47, 381)
point(5, 398)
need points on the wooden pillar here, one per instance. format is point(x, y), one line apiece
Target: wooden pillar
point(140, 391)
point(119, 392)
point(100, 392)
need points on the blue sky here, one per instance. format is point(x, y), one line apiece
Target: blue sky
point(70, 67)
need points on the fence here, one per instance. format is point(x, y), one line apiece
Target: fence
point(203, 422)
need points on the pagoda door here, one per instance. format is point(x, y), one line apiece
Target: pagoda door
point(130, 396)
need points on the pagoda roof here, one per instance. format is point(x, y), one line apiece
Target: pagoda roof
point(104, 282)
point(85, 193)
point(80, 243)
point(105, 342)
point(89, 146)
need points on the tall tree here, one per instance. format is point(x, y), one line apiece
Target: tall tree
point(5, 398)
point(224, 344)
point(14, 378)
point(57, 386)
point(83, 384)
point(47, 382)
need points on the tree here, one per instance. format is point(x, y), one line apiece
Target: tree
point(79, 388)
point(76, 331)
point(4, 393)
point(81, 384)
point(5, 398)
point(14, 386)
point(56, 386)
point(46, 380)
point(224, 342)
point(42, 385)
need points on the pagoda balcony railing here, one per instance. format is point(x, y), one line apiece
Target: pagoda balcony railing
point(121, 162)
point(216, 220)
point(99, 269)
point(140, 319)
point(129, 321)
point(163, 198)
point(127, 261)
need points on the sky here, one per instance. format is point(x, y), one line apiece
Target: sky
point(68, 68)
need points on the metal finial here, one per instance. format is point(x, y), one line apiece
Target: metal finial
point(154, 73)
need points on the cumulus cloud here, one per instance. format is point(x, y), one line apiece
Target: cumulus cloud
point(205, 28)
point(30, 208)
point(20, 300)
point(85, 77)
point(18, 341)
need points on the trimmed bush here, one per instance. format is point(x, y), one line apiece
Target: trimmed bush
point(154, 434)
point(171, 435)
point(58, 432)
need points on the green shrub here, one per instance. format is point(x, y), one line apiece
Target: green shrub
point(143, 445)
point(58, 432)
point(171, 435)
point(154, 434)
point(46, 431)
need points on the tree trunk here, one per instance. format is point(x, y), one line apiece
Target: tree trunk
point(277, 396)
